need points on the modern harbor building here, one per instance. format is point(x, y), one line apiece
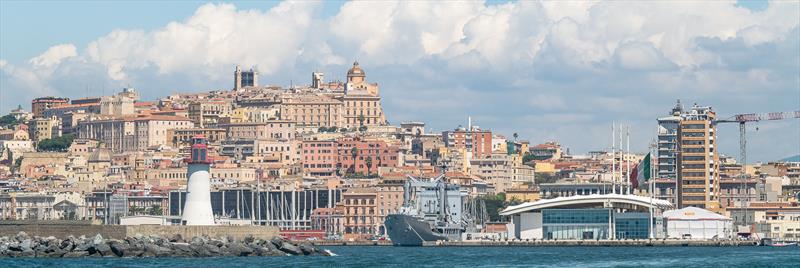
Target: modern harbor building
point(590, 217)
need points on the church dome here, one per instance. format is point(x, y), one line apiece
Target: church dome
point(356, 70)
point(100, 155)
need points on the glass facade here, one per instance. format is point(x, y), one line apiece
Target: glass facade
point(578, 224)
point(575, 224)
point(631, 225)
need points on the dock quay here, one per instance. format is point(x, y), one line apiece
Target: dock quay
point(594, 243)
point(350, 243)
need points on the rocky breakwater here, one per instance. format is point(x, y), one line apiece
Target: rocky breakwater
point(23, 245)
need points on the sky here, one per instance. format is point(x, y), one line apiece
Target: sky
point(551, 70)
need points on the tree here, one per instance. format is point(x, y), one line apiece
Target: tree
point(369, 165)
point(361, 119)
point(527, 158)
point(59, 144)
point(544, 178)
point(8, 121)
point(343, 129)
point(156, 210)
point(515, 136)
point(354, 153)
point(322, 129)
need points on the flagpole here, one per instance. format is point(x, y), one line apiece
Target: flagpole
point(652, 188)
point(628, 162)
point(613, 156)
point(621, 186)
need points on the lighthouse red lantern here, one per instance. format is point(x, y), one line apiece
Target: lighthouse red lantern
point(199, 153)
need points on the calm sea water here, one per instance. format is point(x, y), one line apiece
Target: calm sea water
point(470, 257)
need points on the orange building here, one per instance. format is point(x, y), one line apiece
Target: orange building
point(474, 140)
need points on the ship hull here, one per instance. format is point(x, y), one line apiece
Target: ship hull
point(405, 230)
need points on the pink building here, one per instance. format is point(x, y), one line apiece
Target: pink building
point(319, 158)
point(332, 157)
point(367, 157)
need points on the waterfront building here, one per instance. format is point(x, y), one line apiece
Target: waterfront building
point(687, 154)
point(42, 206)
point(565, 189)
point(592, 217)
point(285, 209)
point(698, 169)
point(361, 219)
point(330, 220)
point(668, 144)
point(697, 223)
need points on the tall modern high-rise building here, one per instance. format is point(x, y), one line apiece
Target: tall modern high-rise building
point(244, 78)
point(687, 154)
point(668, 143)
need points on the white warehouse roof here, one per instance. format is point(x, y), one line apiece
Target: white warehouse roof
point(588, 199)
point(692, 214)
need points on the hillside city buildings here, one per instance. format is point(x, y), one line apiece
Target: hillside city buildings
point(322, 157)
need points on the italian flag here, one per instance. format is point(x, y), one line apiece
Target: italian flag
point(641, 173)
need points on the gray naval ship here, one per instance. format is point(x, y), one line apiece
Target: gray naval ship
point(432, 210)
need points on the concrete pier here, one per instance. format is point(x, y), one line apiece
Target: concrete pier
point(594, 243)
point(78, 228)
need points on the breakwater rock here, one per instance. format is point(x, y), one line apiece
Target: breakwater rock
point(23, 245)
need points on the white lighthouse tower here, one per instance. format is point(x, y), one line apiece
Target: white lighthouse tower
point(197, 210)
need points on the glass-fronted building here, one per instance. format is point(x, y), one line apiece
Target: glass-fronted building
point(588, 217)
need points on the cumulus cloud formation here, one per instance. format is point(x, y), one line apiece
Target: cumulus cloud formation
point(578, 64)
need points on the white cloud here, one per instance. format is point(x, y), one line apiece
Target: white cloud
point(455, 57)
point(54, 55)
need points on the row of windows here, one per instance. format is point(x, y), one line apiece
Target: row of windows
point(361, 103)
point(359, 201)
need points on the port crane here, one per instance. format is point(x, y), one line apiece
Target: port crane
point(743, 119)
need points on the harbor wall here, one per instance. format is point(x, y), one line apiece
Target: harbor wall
point(598, 243)
point(77, 228)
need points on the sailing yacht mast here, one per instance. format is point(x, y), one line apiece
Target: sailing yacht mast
point(613, 157)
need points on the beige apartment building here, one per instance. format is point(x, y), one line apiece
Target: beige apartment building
point(362, 101)
point(132, 133)
point(502, 170)
point(43, 128)
point(207, 113)
point(361, 219)
point(183, 137)
point(312, 110)
point(363, 106)
point(699, 165)
point(120, 104)
point(278, 129)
